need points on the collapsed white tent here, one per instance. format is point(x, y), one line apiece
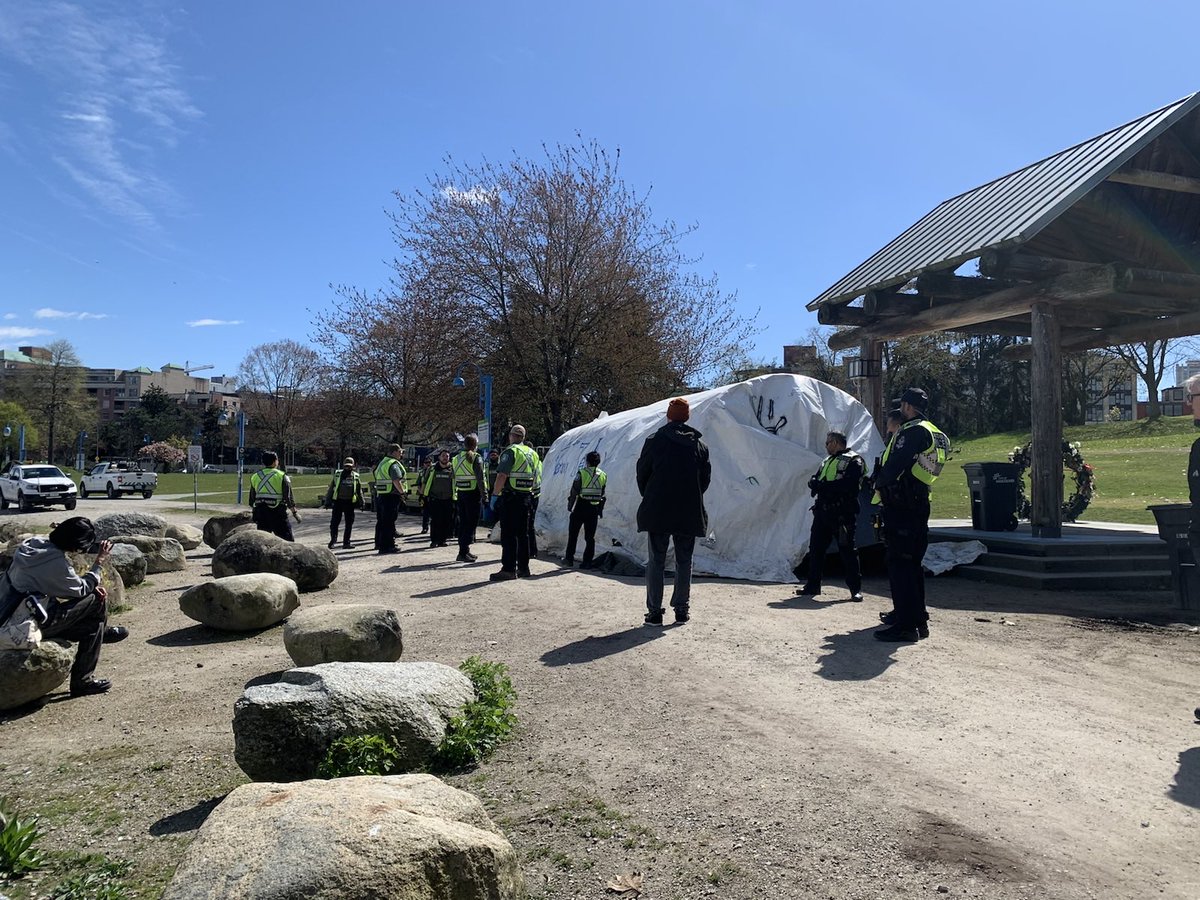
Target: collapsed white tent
point(766, 438)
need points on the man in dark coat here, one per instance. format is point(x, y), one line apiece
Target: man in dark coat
point(1193, 477)
point(673, 473)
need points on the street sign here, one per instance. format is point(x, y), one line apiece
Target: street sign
point(195, 457)
point(484, 430)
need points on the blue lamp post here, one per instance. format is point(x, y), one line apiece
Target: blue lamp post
point(485, 401)
point(223, 419)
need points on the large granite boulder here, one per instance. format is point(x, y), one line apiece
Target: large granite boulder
point(349, 633)
point(218, 528)
point(163, 554)
point(112, 524)
point(362, 838)
point(189, 536)
point(26, 675)
point(130, 563)
point(312, 568)
point(281, 731)
point(12, 530)
point(241, 602)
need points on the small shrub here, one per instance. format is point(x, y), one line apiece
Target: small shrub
point(17, 838)
point(360, 754)
point(484, 722)
point(103, 885)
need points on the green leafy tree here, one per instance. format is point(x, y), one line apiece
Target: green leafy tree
point(52, 391)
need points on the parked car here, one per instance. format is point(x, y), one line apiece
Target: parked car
point(209, 467)
point(36, 485)
point(116, 478)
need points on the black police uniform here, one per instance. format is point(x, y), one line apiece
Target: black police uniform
point(835, 517)
point(906, 524)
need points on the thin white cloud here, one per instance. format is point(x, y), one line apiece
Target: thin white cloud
point(10, 316)
point(115, 100)
point(47, 312)
point(15, 333)
point(204, 323)
point(471, 197)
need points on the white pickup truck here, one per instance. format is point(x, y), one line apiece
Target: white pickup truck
point(28, 486)
point(114, 479)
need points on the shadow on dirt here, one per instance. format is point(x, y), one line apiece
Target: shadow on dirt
point(856, 656)
point(199, 634)
point(1186, 789)
point(592, 648)
point(186, 819)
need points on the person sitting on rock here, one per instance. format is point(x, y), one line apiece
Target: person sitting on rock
point(75, 605)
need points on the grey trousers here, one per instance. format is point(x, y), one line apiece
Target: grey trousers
point(655, 568)
point(82, 621)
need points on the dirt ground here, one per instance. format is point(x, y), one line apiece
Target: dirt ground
point(1037, 745)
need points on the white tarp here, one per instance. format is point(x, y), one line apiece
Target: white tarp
point(765, 437)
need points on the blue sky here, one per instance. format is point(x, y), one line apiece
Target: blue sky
point(182, 181)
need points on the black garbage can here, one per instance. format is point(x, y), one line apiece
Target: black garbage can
point(1173, 521)
point(993, 488)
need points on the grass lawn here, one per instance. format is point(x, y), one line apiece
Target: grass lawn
point(1136, 463)
point(219, 488)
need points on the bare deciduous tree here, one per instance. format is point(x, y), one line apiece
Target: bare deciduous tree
point(1148, 359)
point(396, 356)
point(582, 302)
point(277, 382)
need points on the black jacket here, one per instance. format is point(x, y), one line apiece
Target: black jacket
point(672, 475)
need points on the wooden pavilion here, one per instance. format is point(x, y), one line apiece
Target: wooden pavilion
point(1094, 246)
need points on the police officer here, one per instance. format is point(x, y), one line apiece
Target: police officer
point(271, 498)
point(911, 464)
point(388, 480)
point(511, 494)
point(441, 495)
point(586, 504)
point(1193, 476)
point(471, 483)
point(836, 487)
point(343, 496)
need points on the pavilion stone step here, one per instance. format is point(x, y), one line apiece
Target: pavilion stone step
point(1079, 565)
point(998, 544)
point(1121, 580)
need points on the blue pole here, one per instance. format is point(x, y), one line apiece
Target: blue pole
point(21, 445)
point(485, 385)
point(241, 451)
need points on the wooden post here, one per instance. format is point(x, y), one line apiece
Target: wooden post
point(872, 387)
point(1045, 408)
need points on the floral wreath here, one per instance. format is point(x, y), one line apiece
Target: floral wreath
point(1085, 480)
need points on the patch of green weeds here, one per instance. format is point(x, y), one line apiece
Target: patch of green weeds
point(360, 754)
point(101, 878)
point(641, 834)
point(484, 722)
point(541, 851)
point(562, 860)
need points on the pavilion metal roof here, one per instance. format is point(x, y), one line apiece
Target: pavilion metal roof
point(1007, 211)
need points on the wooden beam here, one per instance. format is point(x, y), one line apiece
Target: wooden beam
point(943, 286)
point(1007, 327)
point(872, 388)
point(1094, 282)
point(840, 314)
point(1076, 341)
point(1045, 411)
point(881, 303)
point(1159, 283)
point(1026, 266)
point(1161, 181)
